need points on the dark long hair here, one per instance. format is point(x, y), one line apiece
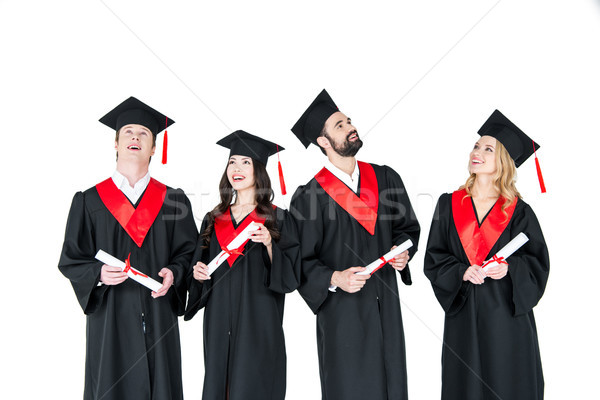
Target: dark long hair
point(263, 197)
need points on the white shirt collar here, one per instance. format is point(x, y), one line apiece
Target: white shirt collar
point(350, 180)
point(132, 193)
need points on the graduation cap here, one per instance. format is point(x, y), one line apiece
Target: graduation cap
point(309, 126)
point(133, 111)
point(242, 143)
point(519, 146)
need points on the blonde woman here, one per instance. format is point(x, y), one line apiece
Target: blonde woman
point(490, 346)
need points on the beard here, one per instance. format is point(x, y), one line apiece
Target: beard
point(347, 148)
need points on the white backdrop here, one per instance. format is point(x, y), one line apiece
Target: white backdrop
point(417, 78)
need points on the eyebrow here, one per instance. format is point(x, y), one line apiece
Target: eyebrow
point(243, 158)
point(142, 128)
point(339, 122)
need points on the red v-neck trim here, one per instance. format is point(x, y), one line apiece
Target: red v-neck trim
point(226, 232)
point(364, 207)
point(135, 221)
point(477, 241)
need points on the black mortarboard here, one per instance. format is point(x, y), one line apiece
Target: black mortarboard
point(519, 145)
point(133, 111)
point(245, 144)
point(309, 126)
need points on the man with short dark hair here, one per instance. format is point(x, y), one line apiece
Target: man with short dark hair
point(350, 214)
point(133, 349)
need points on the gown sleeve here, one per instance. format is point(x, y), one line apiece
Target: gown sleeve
point(528, 267)
point(282, 275)
point(441, 266)
point(405, 224)
point(77, 259)
point(182, 246)
point(198, 291)
point(316, 276)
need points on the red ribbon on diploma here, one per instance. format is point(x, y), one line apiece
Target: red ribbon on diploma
point(495, 258)
point(383, 262)
point(133, 271)
point(237, 252)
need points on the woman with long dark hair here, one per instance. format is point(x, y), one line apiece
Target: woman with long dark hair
point(244, 347)
point(490, 349)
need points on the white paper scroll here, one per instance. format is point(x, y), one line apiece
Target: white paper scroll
point(235, 244)
point(507, 250)
point(386, 258)
point(133, 273)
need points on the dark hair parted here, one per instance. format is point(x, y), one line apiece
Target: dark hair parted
point(263, 197)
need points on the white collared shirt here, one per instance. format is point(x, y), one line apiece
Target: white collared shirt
point(132, 193)
point(350, 180)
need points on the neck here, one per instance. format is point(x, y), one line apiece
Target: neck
point(132, 171)
point(346, 164)
point(483, 188)
point(245, 197)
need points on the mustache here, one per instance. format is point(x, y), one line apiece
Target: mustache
point(351, 133)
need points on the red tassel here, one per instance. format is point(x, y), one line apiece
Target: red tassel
point(281, 180)
point(540, 177)
point(539, 171)
point(165, 143)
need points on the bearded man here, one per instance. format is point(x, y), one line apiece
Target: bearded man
point(350, 214)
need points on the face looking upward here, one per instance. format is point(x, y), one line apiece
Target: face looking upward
point(340, 135)
point(482, 159)
point(135, 142)
point(240, 172)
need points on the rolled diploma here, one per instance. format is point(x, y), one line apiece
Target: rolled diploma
point(387, 257)
point(508, 250)
point(115, 262)
point(233, 245)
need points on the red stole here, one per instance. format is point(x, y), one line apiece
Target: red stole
point(226, 232)
point(363, 208)
point(135, 221)
point(478, 241)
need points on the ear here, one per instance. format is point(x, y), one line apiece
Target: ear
point(323, 142)
point(153, 150)
point(116, 144)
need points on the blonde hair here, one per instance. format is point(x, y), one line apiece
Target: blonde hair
point(504, 180)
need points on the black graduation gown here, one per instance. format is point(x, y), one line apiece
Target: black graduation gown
point(132, 349)
point(360, 337)
point(244, 346)
point(490, 341)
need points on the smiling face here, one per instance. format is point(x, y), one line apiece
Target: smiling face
point(341, 135)
point(135, 142)
point(240, 172)
point(482, 159)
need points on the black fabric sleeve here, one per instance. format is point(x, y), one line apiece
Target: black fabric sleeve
point(282, 275)
point(77, 259)
point(528, 267)
point(404, 220)
point(316, 276)
point(441, 266)
point(183, 243)
point(198, 291)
